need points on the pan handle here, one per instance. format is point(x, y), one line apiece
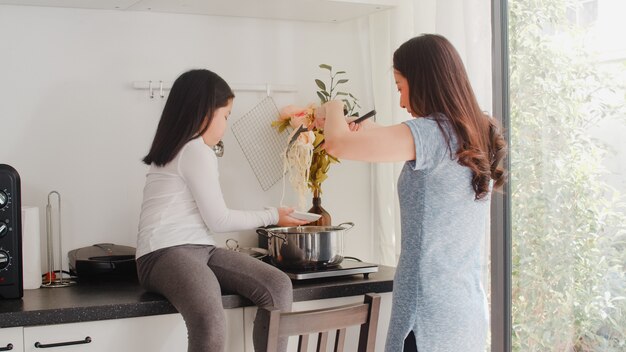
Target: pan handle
point(270, 234)
point(263, 232)
point(231, 246)
point(350, 226)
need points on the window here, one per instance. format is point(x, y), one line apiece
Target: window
point(567, 194)
point(583, 13)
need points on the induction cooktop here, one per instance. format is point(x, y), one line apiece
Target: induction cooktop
point(347, 267)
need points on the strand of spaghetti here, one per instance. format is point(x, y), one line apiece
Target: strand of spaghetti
point(282, 197)
point(297, 164)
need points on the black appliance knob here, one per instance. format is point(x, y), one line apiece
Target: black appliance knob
point(4, 259)
point(4, 199)
point(4, 229)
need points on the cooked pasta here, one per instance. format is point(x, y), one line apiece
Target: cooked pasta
point(296, 163)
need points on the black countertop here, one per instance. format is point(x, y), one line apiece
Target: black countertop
point(115, 300)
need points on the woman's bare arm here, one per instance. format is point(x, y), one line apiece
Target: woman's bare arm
point(382, 144)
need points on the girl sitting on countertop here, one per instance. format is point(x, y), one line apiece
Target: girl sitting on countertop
point(183, 206)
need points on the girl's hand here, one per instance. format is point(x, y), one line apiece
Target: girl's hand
point(285, 220)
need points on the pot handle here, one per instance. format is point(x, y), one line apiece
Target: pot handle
point(269, 234)
point(263, 232)
point(350, 226)
point(232, 244)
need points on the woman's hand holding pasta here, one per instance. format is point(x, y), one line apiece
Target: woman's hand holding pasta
point(354, 126)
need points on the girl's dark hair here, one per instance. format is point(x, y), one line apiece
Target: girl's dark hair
point(439, 85)
point(187, 114)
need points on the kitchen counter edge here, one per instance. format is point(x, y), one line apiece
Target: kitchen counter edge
point(117, 300)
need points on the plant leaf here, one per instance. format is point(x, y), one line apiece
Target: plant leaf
point(328, 67)
point(281, 125)
point(320, 84)
point(342, 81)
point(318, 139)
point(322, 97)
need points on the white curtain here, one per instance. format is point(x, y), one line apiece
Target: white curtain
point(467, 24)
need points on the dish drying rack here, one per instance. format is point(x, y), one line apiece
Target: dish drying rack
point(261, 143)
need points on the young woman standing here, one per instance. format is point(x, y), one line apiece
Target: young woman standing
point(452, 152)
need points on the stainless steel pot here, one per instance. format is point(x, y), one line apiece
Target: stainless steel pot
point(306, 246)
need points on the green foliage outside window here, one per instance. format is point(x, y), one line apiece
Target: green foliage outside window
point(569, 226)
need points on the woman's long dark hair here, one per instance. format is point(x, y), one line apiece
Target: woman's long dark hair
point(438, 85)
point(187, 114)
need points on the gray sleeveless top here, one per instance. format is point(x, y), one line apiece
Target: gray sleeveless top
point(437, 292)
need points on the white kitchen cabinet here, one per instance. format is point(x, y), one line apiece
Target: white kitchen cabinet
point(352, 334)
point(301, 10)
point(12, 337)
point(153, 333)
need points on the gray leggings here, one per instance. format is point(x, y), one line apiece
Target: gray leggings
point(192, 277)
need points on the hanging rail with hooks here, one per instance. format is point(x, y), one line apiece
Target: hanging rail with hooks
point(159, 87)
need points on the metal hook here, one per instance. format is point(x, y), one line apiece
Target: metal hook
point(161, 89)
point(150, 89)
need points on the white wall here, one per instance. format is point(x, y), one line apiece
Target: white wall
point(70, 120)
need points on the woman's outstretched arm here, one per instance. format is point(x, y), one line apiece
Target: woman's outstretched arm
point(383, 144)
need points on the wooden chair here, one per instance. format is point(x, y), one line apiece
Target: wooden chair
point(322, 321)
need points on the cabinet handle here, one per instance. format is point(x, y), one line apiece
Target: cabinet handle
point(59, 344)
point(8, 348)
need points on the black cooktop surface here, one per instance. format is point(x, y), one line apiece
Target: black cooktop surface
point(347, 267)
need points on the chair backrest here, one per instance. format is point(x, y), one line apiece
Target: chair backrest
point(322, 321)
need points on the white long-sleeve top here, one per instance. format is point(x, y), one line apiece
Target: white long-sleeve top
point(183, 203)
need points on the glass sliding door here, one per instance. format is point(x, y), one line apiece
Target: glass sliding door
point(567, 71)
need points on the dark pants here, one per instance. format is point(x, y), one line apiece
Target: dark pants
point(410, 343)
point(192, 277)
